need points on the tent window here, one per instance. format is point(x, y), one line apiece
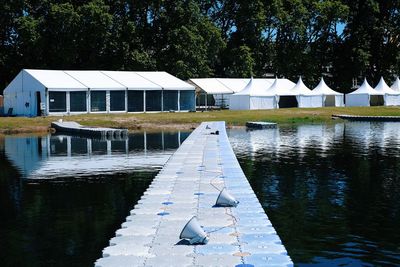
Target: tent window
point(77, 101)
point(187, 100)
point(170, 100)
point(117, 100)
point(153, 100)
point(135, 101)
point(330, 101)
point(98, 101)
point(377, 100)
point(288, 102)
point(57, 102)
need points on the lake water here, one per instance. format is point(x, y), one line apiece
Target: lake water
point(331, 191)
point(62, 198)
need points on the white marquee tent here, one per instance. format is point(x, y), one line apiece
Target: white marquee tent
point(396, 85)
point(47, 92)
point(281, 89)
point(326, 97)
point(391, 97)
point(303, 95)
point(365, 96)
point(253, 96)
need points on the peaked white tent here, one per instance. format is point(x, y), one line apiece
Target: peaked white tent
point(365, 96)
point(326, 96)
point(284, 96)
point(253, 96)
point(391, 97)
point(396, 85)
point(304, 97)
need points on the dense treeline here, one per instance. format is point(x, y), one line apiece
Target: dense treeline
point(341, 39)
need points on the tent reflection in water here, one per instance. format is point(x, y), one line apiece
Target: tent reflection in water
point(391, 97)
point(326, 97)
point(365, 96)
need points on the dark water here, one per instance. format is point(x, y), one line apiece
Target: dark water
point(62, 198)
point(332, 192)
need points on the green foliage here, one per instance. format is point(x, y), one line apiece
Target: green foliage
point(206, 38)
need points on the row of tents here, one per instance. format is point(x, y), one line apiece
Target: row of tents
point(282, 93)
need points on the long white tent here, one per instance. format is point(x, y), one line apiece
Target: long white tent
point(391, 97)
point(365, 96)
point(52, 92)
point(253, 96)
point(326, 96)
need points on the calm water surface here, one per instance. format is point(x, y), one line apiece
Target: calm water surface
point(62, 198)
point(332, 192)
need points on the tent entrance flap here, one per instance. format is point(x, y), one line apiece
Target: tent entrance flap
point(376, 100)
point(288, 102)
point(329, 101)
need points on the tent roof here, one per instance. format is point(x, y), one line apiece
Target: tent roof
point(94, 79)
point(234, 84)
point(281, 87)
point(131, 80)
point(384, 88)
point(55, 79)
point(165, 80)
point(256, 87)
point(300, 88)
point(107, 80)
point(212, 86)
point(396, 85)
point(323, 89)
point(365, 88)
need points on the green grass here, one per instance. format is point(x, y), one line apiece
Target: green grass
point(185, 120)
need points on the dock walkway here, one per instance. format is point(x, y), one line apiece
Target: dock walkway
point(187, 186)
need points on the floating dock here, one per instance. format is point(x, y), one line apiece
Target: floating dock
point(188, 186)
point(367, 118)
point(260, 125)
point(71, 127)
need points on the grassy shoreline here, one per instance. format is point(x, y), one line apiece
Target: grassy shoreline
point(183, 121)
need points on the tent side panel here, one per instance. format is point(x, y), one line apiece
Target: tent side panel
point(262, 102)
point(239, 102)
point(339, 101)
point(31, 87)
point(357, 100)
point(392, 100)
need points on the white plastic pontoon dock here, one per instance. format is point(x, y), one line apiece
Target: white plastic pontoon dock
point(188, 186)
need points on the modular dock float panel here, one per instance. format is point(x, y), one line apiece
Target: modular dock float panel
point(367, 118)
point(187, 186)
point(75, 128)
point(260, 124)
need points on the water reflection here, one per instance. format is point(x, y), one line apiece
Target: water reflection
point(56, 156)
point(331, 191)
point(64, 221)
